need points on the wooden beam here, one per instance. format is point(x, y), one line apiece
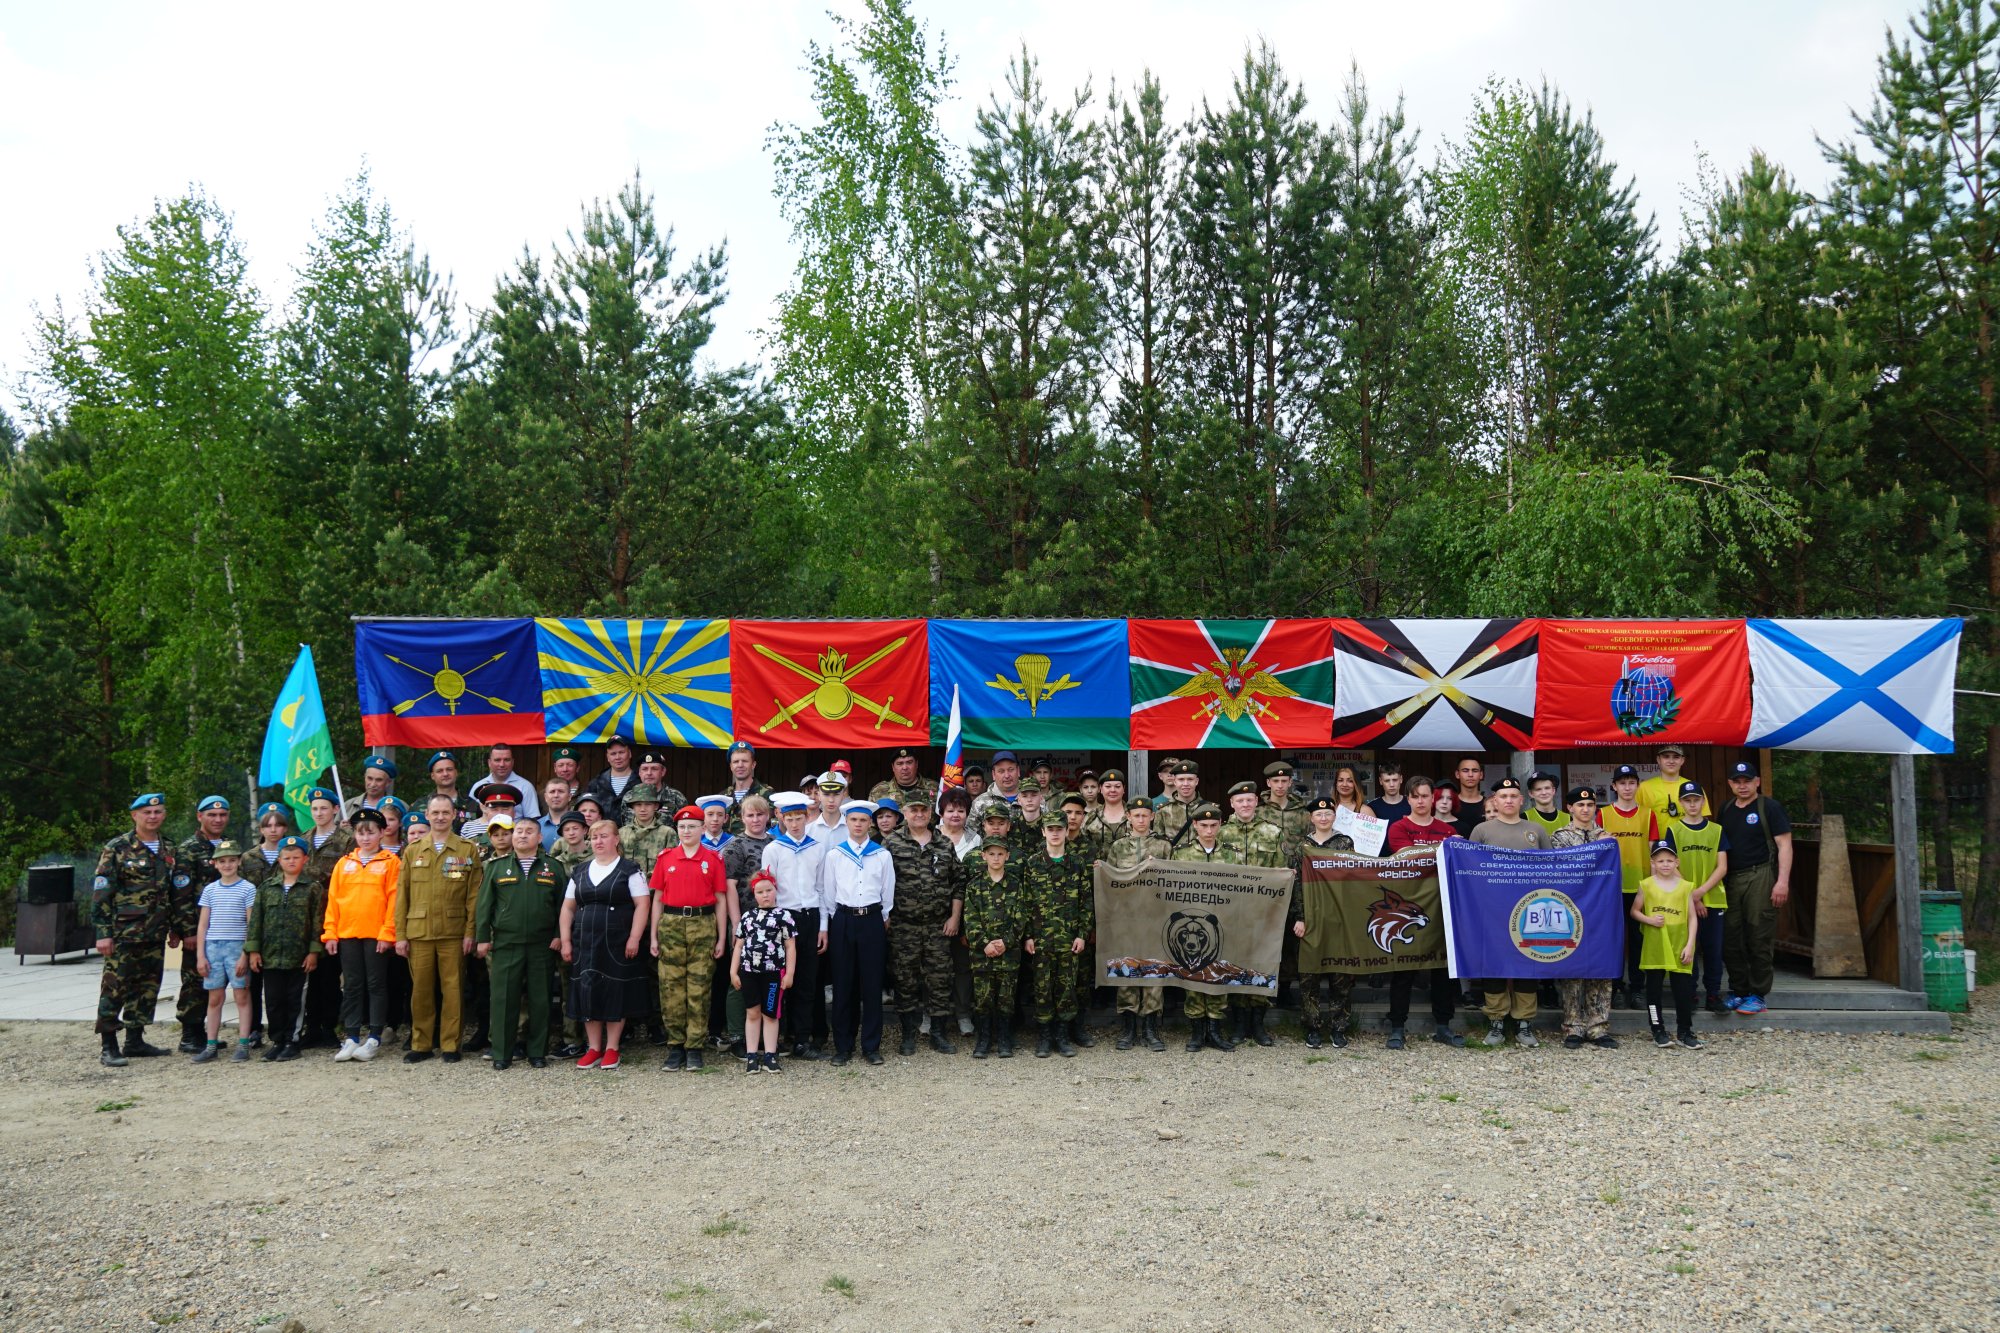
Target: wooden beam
point(1909, 900)
point(1138, 781)
point(1837, 950)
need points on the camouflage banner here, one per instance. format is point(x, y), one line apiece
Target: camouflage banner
point(1201, 925)
point(1368, 915)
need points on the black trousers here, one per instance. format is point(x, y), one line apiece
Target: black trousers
point(805, 1007)
point(857, 946)
point(323, 988)
point(364, 988)
point(284, 1003)
point(1634, 939)
point(1444, 994)
point(1683, 983)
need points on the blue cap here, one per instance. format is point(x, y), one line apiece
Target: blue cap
point(294, 841)
point(269, 808)
point(1690, 789)
point(210, 803)
point(440, 754)
point(888, 803)
point(1743, 770)
point(321, 794)
point(150, 798)
point(712, 802)
point(1624, 771)
point(782, 801)
point(742, 747)
point(386, 765)
point(391, 803)
point(1007, 756)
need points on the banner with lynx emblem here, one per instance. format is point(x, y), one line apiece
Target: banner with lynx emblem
point(1370, 915)
point(1204, 926)
point(1642, 682)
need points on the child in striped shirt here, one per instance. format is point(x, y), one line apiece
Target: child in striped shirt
point(225, 924)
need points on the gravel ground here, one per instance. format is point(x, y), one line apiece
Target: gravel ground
point(1771, 1180)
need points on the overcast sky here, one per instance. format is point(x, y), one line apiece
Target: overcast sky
point(485, 127)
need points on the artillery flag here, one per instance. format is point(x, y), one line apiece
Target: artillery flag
point(1370, 915)
point(448, 682)
point(1530, 915)
point(657, 682)
point(835, 684)
point(1246, 684)
point(1453, 685)
point(1045, 684)
point(1642, 682)
point(1869, 686)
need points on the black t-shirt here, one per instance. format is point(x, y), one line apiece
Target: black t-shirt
point(1750, 839)
point(1385, 808)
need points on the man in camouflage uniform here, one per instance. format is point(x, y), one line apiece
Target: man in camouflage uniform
point(1203, 844)
point(905, 785)
point(1257, 844)
point(1088, 849)
point(1044, 774)
point(1283, 807)
point(1170, 819)
point(643, 837)
point(1056, 884)
point(135, 916)
point(743, 784)
point(1081, 841)
point(1027, 835)
point(653, 773)
point(996, 821)
point(1139, 1006)
point(995, 925)
point(930, 905)
point(197, 859)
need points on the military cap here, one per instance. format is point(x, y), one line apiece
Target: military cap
point(269, 808)
point(618, 738)
point(1627, 771)
point(970, 769)
point(890, 804)
point(1506, 784)
point(321, 794)
point(688, 812)
point(1278, 768)
point(227, 847)
point(437, 755)
point(1581, 793)
point(741, 747)
point(1139, 803)
point(381, 763)
point(496, 793)
point(416, 818)
point(1187, 766)
point(1004, 757)
point(988, 844)
point(1740, 769)
point(563, 752)
point(653, 757)
point(367, 816)
point(210, 803)
point(597, 805)
point(1075, 799)
point(1112, 775)
point(1324, 803)
point(1030, 785)
point(1670, 747)
point(1206, 810)
point(999, 810)
point(1244, 788)
point(640, 793)
point(571, 817)
point(392, 803)
point(292, 842)
point(922, 796)
point(901, 752)
point(500, 821)
point(831, 779)
point(1086, 774)
point(1053, 820)
point(1690, 789)
point(1540, 775)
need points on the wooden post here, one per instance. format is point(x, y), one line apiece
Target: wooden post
point(1137, 780)
point(1524, 764)
point(1837, 950)
point(1909, 902)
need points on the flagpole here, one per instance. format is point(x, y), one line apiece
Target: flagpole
point(339, 801)
point(250, 782)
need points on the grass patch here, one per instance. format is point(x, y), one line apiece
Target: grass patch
point(1612, 1195)
point(1931, 1055)
point(1949, 1136)
point(259, 1242)
point(682, 1291)
point(1447, 1096)
point(1555, 1108)
point(1755, 1090)
point(1492, 1118)
point(724, 1225)
point(1273, 1152)
point(1681, 1269)
point(840, 1286)
point(125, 1104)
point(111, 1267)
point(1318, 1059)
point(1242, 1182)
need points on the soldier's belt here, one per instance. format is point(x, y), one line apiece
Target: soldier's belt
point(706, 910)
point(870, 909)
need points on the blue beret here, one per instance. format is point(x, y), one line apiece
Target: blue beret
point(149, 799)
point(294, 842)
point(391, 803)
point(209, 803)
point(441, 754)
point(377, 761)
point(269, 808)
point(742, 747)
point(321, 794)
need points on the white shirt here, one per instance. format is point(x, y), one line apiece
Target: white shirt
point(529, 807)
point(827, 832)
point(796, 867)
point(966, 841)
point(858, 876)
point(599, 871)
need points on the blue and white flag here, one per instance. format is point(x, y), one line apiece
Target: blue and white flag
point(1867, 686)
point(1532, 916)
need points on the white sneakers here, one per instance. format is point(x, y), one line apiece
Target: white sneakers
point(1496, 1035)
point(348, 1048)
point(367, 1049)
point(1526, 1037)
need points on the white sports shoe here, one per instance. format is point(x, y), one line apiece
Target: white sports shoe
point(1526, 1037)
point(1496, 1035)
point(348, 1048)
point(367, 1049)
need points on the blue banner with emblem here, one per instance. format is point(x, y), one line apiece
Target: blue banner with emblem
point(1048, 684)
point(655, 682)
point(1532, 915)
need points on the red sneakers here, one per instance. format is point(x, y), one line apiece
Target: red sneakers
point(610, 1060)
point(589, 1059)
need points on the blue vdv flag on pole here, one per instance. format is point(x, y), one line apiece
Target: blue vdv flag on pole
point(1532, 916)
point(1045, 684)
point(297, 746)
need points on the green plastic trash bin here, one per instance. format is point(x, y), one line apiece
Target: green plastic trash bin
point(1944, 950)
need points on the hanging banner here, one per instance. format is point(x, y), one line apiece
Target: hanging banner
point(1206, 926)
point(1642, 682)
point(429, 683)
point(835, 684)
point(1455, 685)
point(1368, 915)
point(1868, 686)
point(1035, 684)
point(1243, 684)
point(1532, 915)
point(654, 682)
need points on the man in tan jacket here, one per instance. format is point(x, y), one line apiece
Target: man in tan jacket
point(434, 904)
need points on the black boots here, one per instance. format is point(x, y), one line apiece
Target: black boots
point(1042, 1041)
point(193, 1040)
point(1128, 1031)
point(1313, 1038)
point(1217, 1037)
point(109, 1055)
point(1256, 1018)
point(1079, 1034)
point(939, 1042)
point(1059, 1032)
point(1149, 1032)
point(910, 1022)
point(1003, 1035)
point(1197, 1033)
point(982, 1036)
point(136, 1045)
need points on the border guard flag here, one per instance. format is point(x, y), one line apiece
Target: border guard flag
point(1453, 685)
point(833, 684)
point(1244, 684)
point(657, 682)
point(297, 745)
point(448, 682)
point(1870, 686)
point(1045, 684)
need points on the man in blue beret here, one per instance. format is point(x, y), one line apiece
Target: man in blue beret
point(211, 817)
point(378, 783)
point(134, 917)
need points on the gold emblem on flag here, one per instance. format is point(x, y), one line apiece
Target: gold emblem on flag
point(831, 696)
point(1231, 687)
point(1033, 683)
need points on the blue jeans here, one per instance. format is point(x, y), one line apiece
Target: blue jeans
point(1708, 952)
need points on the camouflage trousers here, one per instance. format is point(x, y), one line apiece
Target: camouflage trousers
point(1200, 1005)
point(129, 990)
point(1332, 1015)
point(1586, 1008)
point(191, 1005)
point(920, 964)
point(1055, 987)
point(687, 967)
point(1141, 1000)
point(994, 982)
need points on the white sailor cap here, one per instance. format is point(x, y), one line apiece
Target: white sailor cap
point(782, 801)
point(717, 802)
point(857, 808)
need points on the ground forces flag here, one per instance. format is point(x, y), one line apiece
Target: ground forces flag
point(1369, 915)
point(1872, 686)
point(448, 682)
point(1456, 685)
point(836, 684)
point(1642, 682)
point(1040, 684)
point(1532, 915)
point(655, 682)
point(1253, 684)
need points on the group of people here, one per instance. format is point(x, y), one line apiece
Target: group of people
point(527, 924)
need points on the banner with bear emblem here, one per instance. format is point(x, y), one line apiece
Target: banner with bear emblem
point(1205, 926)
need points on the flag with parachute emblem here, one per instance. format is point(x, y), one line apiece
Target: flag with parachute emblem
point(297, 746)
point(1042, 684)
point(1248, 684)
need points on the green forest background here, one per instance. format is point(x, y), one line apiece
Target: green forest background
point(1117, 355)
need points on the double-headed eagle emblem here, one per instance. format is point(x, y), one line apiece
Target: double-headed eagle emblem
point(1232, 688)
